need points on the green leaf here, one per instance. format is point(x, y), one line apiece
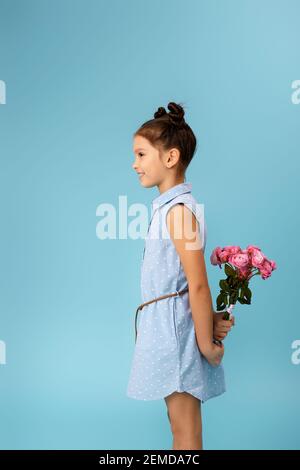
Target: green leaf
point(220, 301)
point(226, 316)
point(229, 270)
point(248, 293)
point(224, 285)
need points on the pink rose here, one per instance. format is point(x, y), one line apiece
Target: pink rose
point(215, 258)
point(244, 273)
point(265, 274)
point(224, 255)
point(229, 251)
point(273, 264)
point(241, 260)
point(266, 269)
point(233, 250)
point(257, 257)
point(250, 248)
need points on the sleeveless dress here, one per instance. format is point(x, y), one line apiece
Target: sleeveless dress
point(166, 355)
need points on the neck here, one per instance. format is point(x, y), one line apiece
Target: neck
point(168, 184)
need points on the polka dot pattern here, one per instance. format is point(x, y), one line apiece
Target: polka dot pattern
point(166, 356)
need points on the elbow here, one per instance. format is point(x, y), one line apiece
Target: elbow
point(195, 288)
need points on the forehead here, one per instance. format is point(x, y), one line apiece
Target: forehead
point(141, 143)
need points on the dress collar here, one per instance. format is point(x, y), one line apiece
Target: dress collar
point(171, 193)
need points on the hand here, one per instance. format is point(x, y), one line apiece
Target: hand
point(215, 354)
point(222, 327)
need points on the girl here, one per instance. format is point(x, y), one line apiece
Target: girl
point(176, 356)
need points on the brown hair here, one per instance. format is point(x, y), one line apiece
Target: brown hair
point(169, 130)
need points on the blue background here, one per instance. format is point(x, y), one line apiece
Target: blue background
point(81, 76)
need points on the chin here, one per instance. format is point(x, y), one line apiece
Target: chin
point(148, 184)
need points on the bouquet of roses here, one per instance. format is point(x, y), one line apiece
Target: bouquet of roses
point(240, 266)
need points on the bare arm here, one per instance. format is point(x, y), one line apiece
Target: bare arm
point(184, 230)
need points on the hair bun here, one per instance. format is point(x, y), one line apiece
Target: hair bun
point(160, 112)
point(176, 114)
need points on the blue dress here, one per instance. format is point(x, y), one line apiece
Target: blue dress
point(166, 355)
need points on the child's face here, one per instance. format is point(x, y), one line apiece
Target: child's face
point(152, 169)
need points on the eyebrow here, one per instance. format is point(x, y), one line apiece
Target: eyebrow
point(136, 150)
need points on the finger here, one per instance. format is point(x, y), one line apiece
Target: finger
point(219, 314)
point(220, 334)
point(225, 323)
point(219, 337)
point(222, 331)
point(225, 328)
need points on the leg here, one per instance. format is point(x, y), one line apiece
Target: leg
point(184, 413)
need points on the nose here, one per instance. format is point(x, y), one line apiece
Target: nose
point(134, 165)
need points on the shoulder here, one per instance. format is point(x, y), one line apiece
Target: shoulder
point(182, 222)
point(180, 213)
point(185, 219)
point(181, 206)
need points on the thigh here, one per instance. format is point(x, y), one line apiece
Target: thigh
point(184, 412)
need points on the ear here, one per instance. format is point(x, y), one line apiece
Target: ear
point(172, 157)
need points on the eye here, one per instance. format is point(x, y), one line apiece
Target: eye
point(140, 154)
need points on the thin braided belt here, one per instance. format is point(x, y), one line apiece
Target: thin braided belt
point(155, 300)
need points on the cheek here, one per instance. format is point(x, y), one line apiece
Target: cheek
point(148, 165)
point(156, 164)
